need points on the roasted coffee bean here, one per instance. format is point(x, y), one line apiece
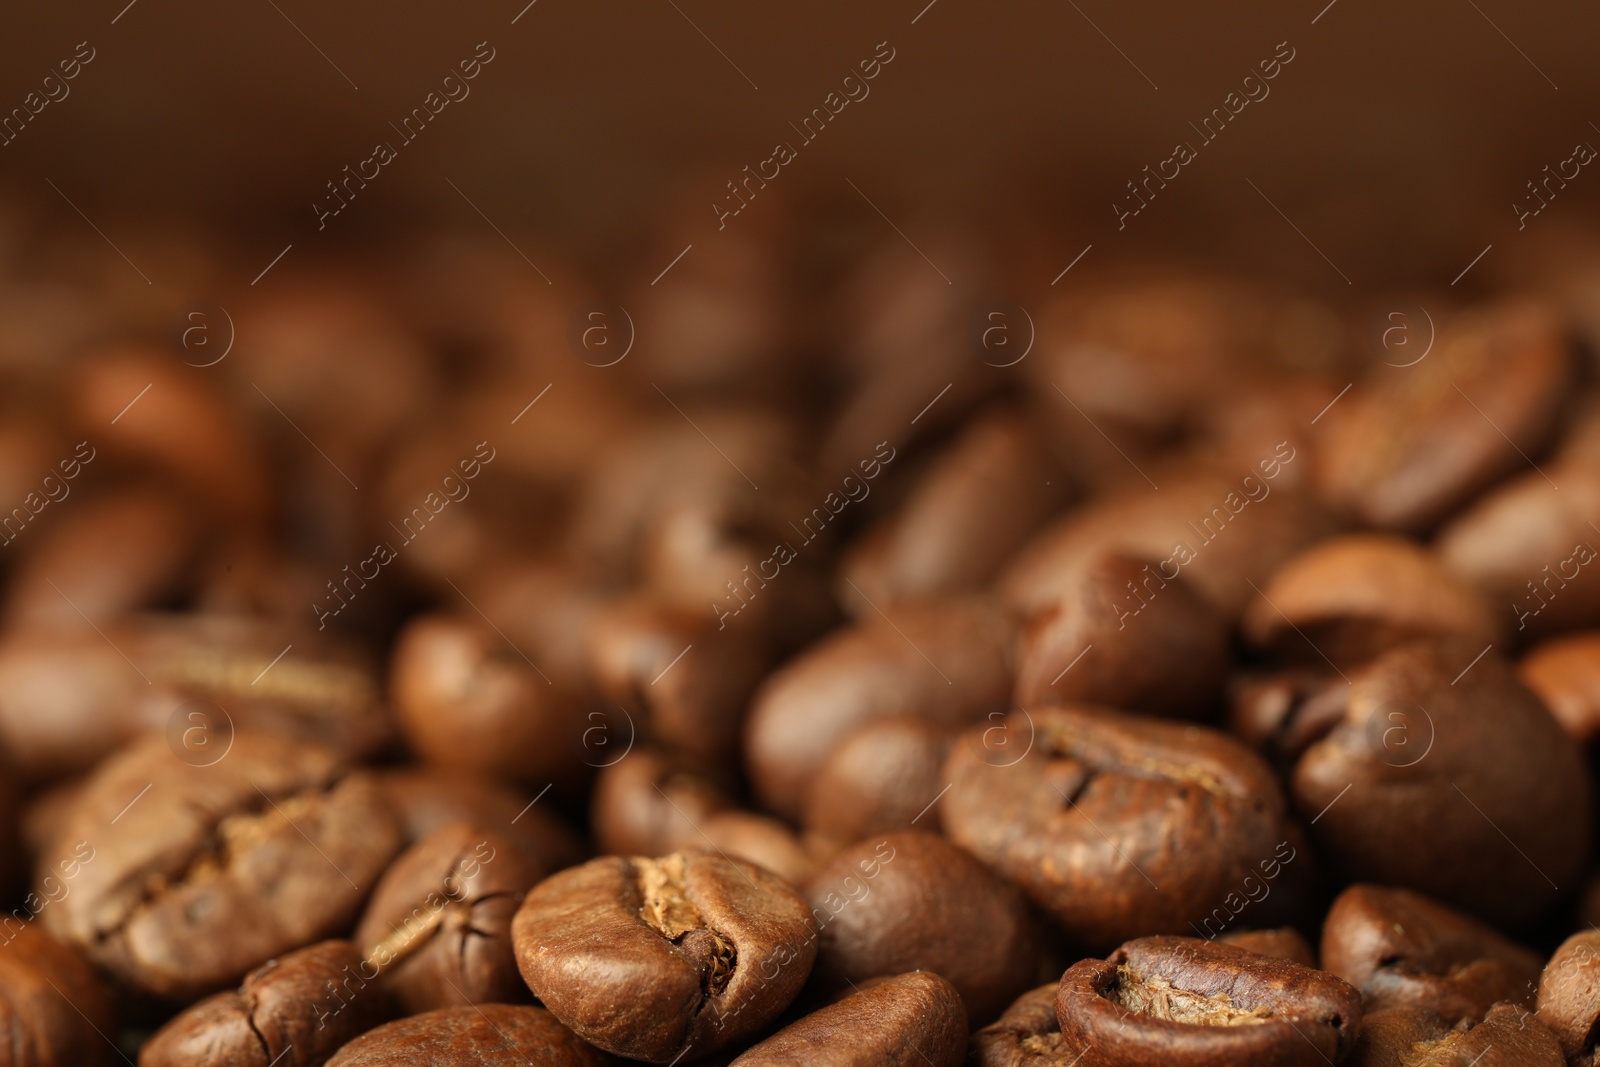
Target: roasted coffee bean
point(656, 959)
point(546, 608)
point(1126, 635)
point(881, 778)
point(1282, 713)
point(490, 1035)
point(1470, 793)
point(1528, 546)
point(1565, 673)
point(913, 901)
point(426, 798)
point(438, 928)
point(53, 1007)
point(969, 511)
point(1569, 995)
point(1221, 530)
point(762, 840)
point(653, 802)
point(11, 829)
point(1508, 1036)
point(1285, 942)
point(221, 867)
point(1089, 811)
point(874, 670)
point(1351, 598)
point(298, 1009)
point(1181, 1001)
point(1403, 950)
point(1027, 1035)
point(687, 682)
point(908, 1020)
point(469, 701)
point(1405, 450)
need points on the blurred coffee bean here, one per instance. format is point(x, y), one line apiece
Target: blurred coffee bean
point(1282, 713)
point(914, 901)
point(438, 927)
point(547, 608)
point(1411, 445)
point(53, 1007)
point(882, 777)
point(1527, 544)
point(688, 680)
point(1090, 811)
point(1403, 950)
point(144, 407)
point(699, 952)
point(1569, 995)
point(758, 839)
point(1350, 598)
point(468, 700)
point(1222, 530)
point(1028, 1034)
point(12, 834)
point(125, 550)
point(1470, 793)
point(1507, 1036)
point(1126, 636)
point(488, 1035)
point(1181, 1001)
point(908, 1020)
point(424, 799)
point(975, 505)
point(1285, 942)
point(202, 872)
point(653, 802)
point(946, 663)
point(300, 1008)
point(1565, 674)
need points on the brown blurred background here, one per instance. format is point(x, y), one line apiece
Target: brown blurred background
point(1396, 140)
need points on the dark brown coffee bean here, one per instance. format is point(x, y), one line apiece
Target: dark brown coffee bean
point(468, 700)
point(53, 1007)
point(761, 840)
point(298, 1009)
point(687, 683)
point(908, 1020)
point(1286, 943)
point(914, 901)
point(881, 778)
point(1470, 793)
point(1220, 530)
point(438, 927)
point(1565, 673)
point(946, 663)
point(489, 1035)
point(11, 829)
point(1182, 1001)
point(1569, 995)
point(661, 958)
point(1090, 811)
point(653, 802)
point(1530, 548)
point(209, 871)
point(120, 552)
point(1403, 451)
point(1508, 1036)
point(1350, 598)
point(547, 608)
point(969, 511)
point(1403, 950)
point(1281, 714)
point(1027, 1035)
point(426, 798)
point(1127, 635)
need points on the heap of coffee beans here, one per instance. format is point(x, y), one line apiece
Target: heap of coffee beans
point(418, 659)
